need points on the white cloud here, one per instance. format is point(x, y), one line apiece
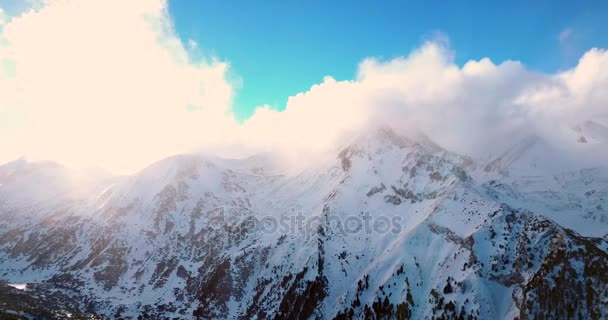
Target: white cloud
point(473, 109)
point(86, 84)
point(109, 83)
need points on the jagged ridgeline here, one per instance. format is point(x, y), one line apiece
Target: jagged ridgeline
point(389, 227)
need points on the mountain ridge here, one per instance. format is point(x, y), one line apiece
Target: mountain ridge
point(392, 227)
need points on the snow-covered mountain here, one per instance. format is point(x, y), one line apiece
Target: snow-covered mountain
point(390, 226)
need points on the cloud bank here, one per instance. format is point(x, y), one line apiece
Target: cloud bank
point(479, 107)
point(106, 83)
point(109, 83)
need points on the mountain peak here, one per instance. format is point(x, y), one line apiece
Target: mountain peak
point(378, 137)
point(24, 166)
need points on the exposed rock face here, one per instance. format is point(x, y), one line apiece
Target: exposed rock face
point(38, 302)
point(394, 227)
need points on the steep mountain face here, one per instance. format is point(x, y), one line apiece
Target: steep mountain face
point(564, 181)
point(390, 227)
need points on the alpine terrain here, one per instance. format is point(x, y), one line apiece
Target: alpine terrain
point(390, 226)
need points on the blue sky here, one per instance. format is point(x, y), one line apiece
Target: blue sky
point(280, 48)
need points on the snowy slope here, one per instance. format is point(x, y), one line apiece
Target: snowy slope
point(390, 226)
point(565, 181)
